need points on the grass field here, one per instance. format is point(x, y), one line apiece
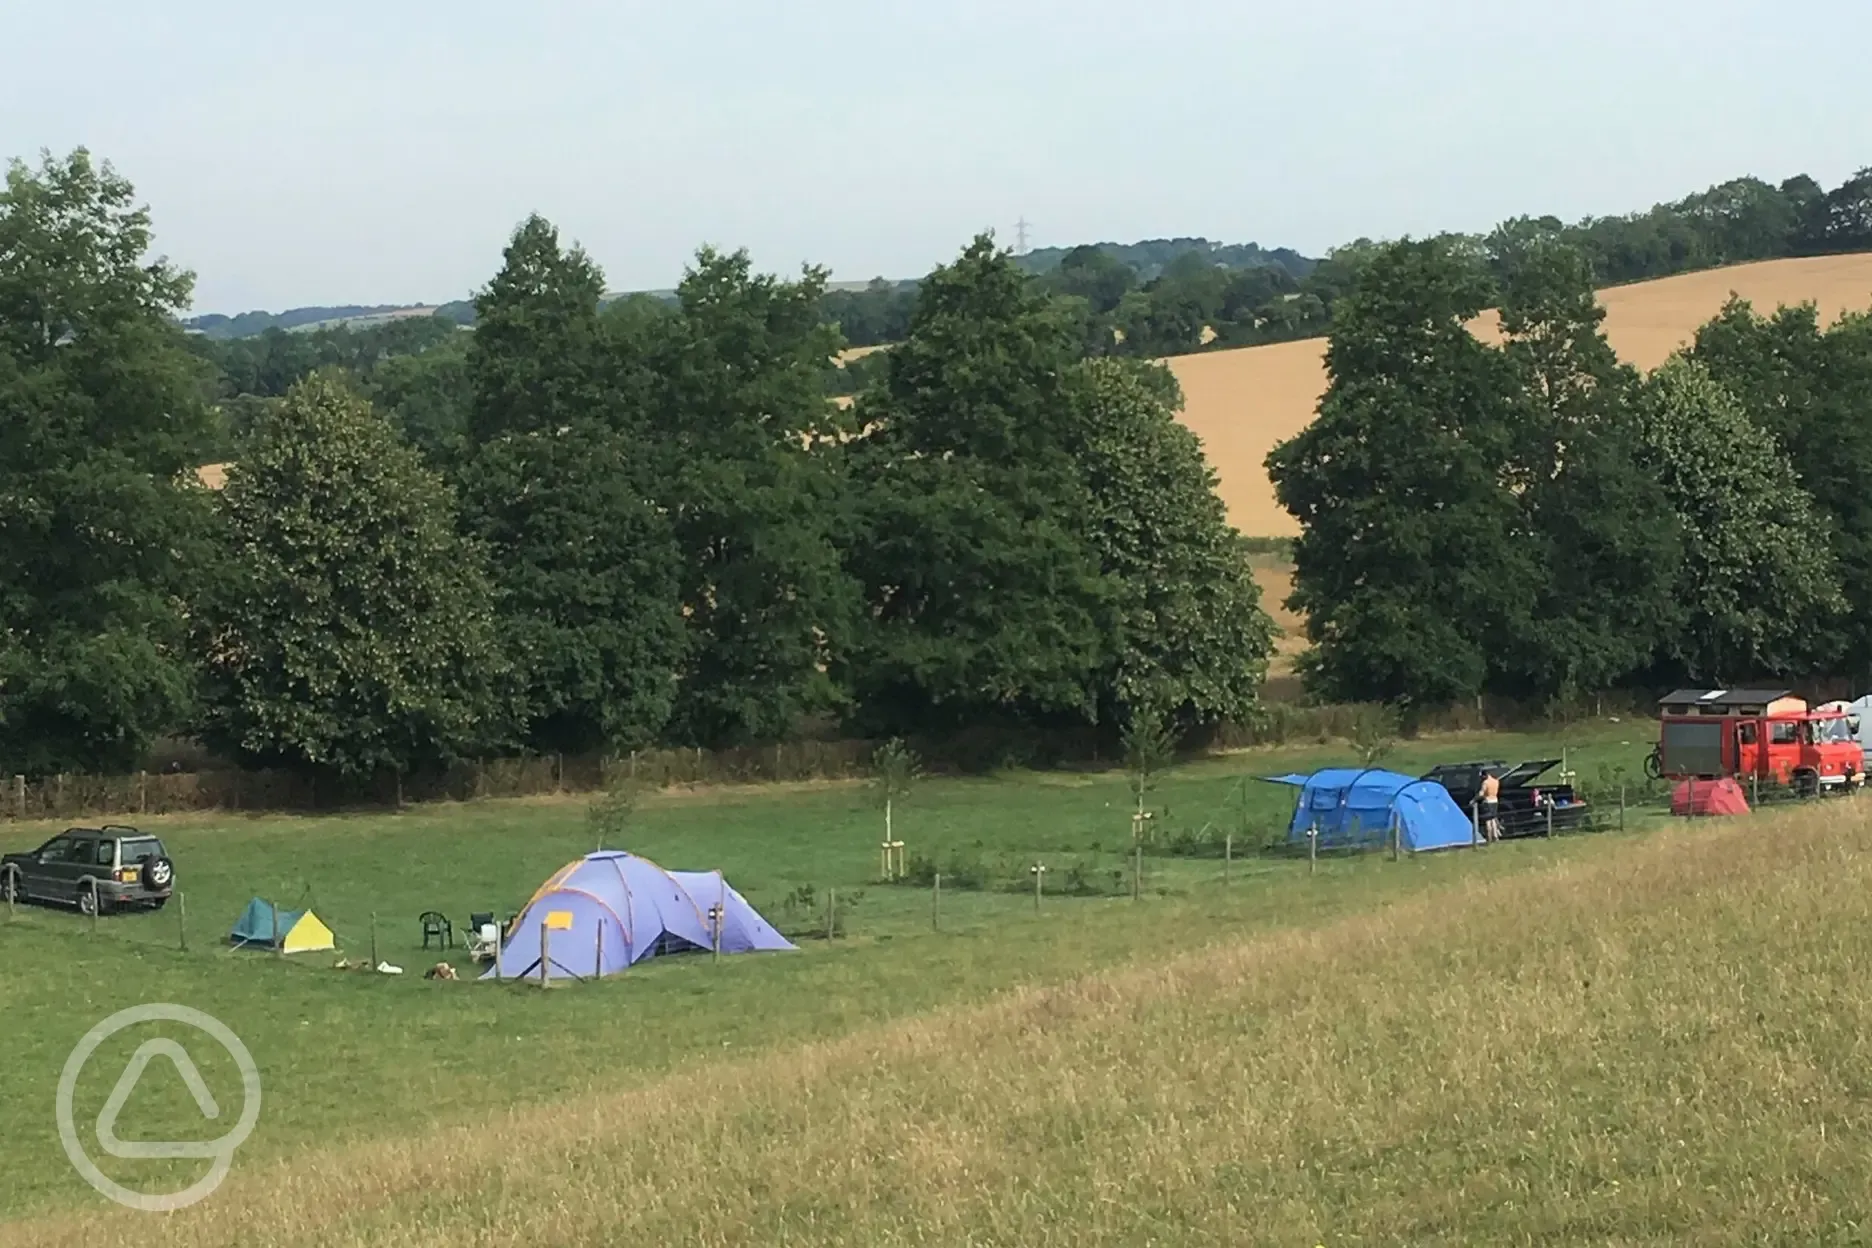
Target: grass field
point(355, 1064)
point(1242, 402)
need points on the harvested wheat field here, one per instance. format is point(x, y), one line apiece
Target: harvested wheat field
point(1243, 402)
point(1666, 1041)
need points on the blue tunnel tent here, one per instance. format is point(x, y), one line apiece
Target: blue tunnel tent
point(1354, 806)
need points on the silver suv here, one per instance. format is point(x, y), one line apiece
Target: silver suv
point(94, 869)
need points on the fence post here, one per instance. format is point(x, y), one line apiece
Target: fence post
point(1475, 824)
point(1396, 827)
point(181, 902)
point(97, 904)
point(1754, 788)
point(1550, 816)
point(278, 948)
point(1313, 849)
point(19, 797)
point(1228, 856)
point(1137, 873)
point(559, 780)
point(1039, 874)
point(58, 799)
point(831, 913)
point(142, 793)
point(8, 887)
point(373, 940)
point(1621, 806)
point(936, 904)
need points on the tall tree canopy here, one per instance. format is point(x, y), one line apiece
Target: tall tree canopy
point(560, 482)
point(985, 594)
point(1811, 388)
point(102, 422)
point(1757, 582)
point(349, 629)
point(1195, 641)
point(753, 492)
point(1604, 537)
point(1408, 567)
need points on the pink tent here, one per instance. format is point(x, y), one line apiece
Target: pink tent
point(1709, 797)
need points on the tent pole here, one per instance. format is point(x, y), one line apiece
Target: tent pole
point(278, 945)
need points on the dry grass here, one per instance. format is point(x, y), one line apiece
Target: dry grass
point(1243, 402)
point(1664, 1043)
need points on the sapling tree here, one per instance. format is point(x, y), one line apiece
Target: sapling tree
point(1149, 746)
point(1374, 734)
point(613, 812)
point(895, 769)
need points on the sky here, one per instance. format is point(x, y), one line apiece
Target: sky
point(342, 152)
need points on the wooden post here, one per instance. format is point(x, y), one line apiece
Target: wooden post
point(776, 760)
point(373, 940)
point(277, 946)
point(1137, 873)
point(598, 957)
point(1039, 874)
point(633, 770)
point(19, 797)
point(1313, 849)
point(8, 887)
point(97, 905)
point(1754, 789)
point(1550, 816)
point(831, 913)
point(1475, 824)
point(1396, 834)
point(936, 904)
point(142, 793)
point(399, 788)
point(721, 909)
point(545, 950)
point(1228, 856)
point(1621, 806)
point(559, 787)
point(181, 901)
point(58, 800)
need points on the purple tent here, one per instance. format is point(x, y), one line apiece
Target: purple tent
point(610, 910)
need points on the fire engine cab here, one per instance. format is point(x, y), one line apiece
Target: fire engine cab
point(1765, 733)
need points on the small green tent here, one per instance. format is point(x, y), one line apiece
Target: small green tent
point(291, 931)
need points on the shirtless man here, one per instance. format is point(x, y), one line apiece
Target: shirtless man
point(1491, 806)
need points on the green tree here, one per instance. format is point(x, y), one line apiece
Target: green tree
point(1407, 567)
point(985, 593)
point(349, 630)
point(1195, 639)
point(1757, 577)
point(560, 482)
point(102, 422)
point(753, 492)
point(895, 770)
point(1812, 390)
point(1603, 536)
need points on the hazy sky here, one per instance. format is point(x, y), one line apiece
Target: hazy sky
point(334, 151)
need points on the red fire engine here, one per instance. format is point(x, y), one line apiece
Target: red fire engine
point(1765, 733)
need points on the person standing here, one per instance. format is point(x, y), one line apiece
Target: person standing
point(1491, 806)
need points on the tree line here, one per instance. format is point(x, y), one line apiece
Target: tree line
point(1536, 520)
point(586, 525)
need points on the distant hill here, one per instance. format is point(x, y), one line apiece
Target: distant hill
point(1153, 255)
point(1149, 257)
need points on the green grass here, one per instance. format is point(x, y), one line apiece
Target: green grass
point(350, 1057)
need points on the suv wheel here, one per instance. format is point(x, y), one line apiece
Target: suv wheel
point(158, 874)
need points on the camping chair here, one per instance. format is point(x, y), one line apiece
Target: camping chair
point(436, 927)
point(484, 937)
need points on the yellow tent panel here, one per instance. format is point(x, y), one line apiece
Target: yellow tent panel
point(308, 935)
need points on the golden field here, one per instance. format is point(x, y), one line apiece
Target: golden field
point(1242, 402)
point(1663, 1041)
